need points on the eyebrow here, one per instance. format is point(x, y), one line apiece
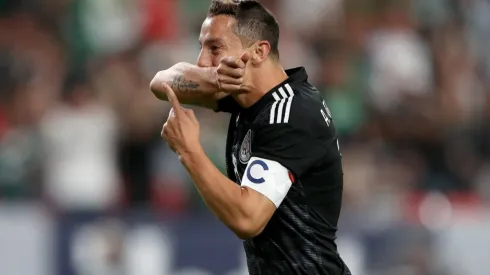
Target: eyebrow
point(211, 41)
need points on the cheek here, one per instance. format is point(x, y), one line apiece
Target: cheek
point(236, 49)
point(216, 58)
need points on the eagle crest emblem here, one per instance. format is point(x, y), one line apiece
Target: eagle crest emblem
point(246, 148)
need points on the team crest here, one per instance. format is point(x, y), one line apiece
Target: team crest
point(246, 149)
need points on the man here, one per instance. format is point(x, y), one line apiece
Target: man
point(284, 190)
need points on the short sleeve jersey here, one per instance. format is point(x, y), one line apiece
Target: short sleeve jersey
point(285, 146)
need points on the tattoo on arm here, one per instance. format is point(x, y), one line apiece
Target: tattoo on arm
point(184, 86)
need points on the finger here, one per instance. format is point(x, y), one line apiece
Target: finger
point(223, 79)
point(230, 88)
point(172, 98)
point(232, 72)
point(193, 117)
point(232, 62)
point(164, 131)
point(190, 113)
point(245, 57)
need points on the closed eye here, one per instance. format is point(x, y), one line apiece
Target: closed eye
point(213, 45)
point(215, 49)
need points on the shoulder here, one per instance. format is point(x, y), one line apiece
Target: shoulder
point(296, 130)
point(298, 107)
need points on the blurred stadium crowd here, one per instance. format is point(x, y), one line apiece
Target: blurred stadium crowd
point(407, 83)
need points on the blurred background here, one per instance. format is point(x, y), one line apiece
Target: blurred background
point(88, 188)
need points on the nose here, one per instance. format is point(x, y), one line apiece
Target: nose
point(204, 60)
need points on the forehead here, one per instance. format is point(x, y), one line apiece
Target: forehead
point(217, 27)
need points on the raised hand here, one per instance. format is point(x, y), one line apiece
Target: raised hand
point(232, 73)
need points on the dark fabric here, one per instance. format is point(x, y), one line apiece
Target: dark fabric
point(292, 125)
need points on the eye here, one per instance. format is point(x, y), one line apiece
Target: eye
point(215, 49)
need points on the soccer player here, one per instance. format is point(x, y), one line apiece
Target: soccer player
point(284, 187)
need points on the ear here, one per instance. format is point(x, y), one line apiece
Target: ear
point(261, 52)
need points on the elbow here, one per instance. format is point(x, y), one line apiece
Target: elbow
point(247, 229)
point(156, 85)
point(166, 76)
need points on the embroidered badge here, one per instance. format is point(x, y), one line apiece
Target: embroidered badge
point(246, 149)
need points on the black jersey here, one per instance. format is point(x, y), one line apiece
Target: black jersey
point(290, 127)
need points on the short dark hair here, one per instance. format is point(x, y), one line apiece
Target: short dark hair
point(253, 21)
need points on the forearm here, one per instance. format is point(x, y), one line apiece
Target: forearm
point(192, 84)
point(225, 198)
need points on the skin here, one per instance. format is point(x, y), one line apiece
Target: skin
point(236, 64)
point(238, 71)
point(219, 71)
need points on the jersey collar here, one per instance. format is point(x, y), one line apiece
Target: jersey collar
point(295, 75)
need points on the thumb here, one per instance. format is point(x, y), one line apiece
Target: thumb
point(245, 57)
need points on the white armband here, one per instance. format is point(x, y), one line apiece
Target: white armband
point(267, 177)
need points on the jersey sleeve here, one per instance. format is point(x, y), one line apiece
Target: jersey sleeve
point(291, 146)
point(228, 105)
point(306, 138)
point(282, 152)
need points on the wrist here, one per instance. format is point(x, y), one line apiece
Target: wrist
point(213, 77)
point(189, 156)
point(209, 76)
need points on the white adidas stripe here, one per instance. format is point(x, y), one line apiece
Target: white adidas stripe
point(276, 97)
point(273, 112)
point(290, 90)
point(290, 101)
point(282, 104)
point(279, 111)
point(281, 91)
point(288, 109)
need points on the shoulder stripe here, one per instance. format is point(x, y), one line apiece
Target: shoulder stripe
point(281, 108)
point(273, 112)
point(273, 108)
point(288, 109)
point(290, 101)
point(283, 94)
point(279, 112)
point(290, 90)
point(276, 97)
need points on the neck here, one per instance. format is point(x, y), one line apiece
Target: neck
point(263, 80)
